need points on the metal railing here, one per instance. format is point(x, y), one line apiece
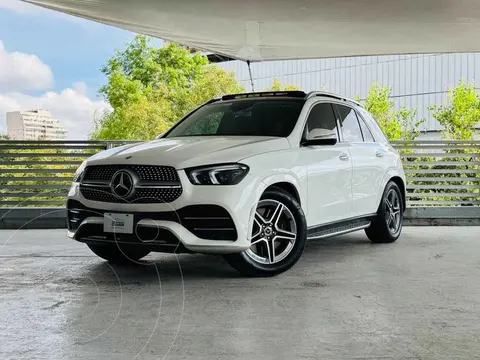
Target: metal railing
point(38, 173)
point(441, 172)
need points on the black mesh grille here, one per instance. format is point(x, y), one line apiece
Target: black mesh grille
point(144, 172)
point(100, 194)
point(145, 196)
point(148, 175)
point(141, 196)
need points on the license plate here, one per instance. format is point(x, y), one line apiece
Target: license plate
point(118, 223)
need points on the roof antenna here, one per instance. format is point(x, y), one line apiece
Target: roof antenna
point(250, 72)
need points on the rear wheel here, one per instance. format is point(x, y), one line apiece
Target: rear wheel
point(118, 254)
point(387, 225)
point(278, 236)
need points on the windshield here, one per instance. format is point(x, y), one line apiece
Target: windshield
point(245, 117)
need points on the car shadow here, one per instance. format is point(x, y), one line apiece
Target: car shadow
point(167, 267)
point(195, 267)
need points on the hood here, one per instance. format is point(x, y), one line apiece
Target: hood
point(185, 152)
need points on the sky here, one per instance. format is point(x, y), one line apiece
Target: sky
point(52, 61)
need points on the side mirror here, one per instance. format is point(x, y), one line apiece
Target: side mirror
point(319, 142)
point(320, 137)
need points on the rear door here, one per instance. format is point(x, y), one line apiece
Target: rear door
point(368, 166)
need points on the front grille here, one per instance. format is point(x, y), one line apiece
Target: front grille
point(141, 196)
point(204, 221)
point(157, 184)
point(155, 173)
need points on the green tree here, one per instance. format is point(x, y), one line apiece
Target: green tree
point(214, 82)
point(151, 88)
point(144, 118)
point(396, 124)
point(460, 117)
point(278, 86)
point(140, 62)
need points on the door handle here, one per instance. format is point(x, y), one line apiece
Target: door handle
point(379, 154)
point(343, 157)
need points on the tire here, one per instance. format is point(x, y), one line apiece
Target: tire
point(384, 228)
point(290, 222)
point(118, 255)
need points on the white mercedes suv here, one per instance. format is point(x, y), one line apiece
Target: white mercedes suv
point(249, 176)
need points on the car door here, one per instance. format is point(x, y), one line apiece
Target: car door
point(329, 169)
point(367, 163)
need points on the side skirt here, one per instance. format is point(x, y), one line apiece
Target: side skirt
point(339, 227)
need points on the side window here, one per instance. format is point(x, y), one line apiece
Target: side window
point(321, 122)
point(374, 127)
point(350, 128)
point(367, 135)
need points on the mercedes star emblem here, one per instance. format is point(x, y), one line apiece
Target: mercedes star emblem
point(122, 184)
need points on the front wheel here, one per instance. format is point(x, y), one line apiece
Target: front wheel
point(278, 238)
point(118, 255)
point(387, 225)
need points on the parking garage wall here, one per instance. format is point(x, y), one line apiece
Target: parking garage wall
point(417, 81)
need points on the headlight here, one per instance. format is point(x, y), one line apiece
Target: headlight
point(225, 174)
point(79, 173)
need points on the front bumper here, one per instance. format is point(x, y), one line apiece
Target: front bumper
point(177, 232)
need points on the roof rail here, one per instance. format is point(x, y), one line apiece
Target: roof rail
point(299, 94)
point(332, 95)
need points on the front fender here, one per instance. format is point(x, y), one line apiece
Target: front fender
point(279, 167)
point(291, 179)
point(271, 179)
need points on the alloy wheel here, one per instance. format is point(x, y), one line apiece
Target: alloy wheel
point(392, 211)
point(274, 232)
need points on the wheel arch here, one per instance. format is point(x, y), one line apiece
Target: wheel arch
point(288, 182)
point(287, 187)
point(398, 177)
point(401, 184)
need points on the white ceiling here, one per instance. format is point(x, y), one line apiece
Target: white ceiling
point(260, 30)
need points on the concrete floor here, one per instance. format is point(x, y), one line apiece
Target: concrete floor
point(418, 298)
